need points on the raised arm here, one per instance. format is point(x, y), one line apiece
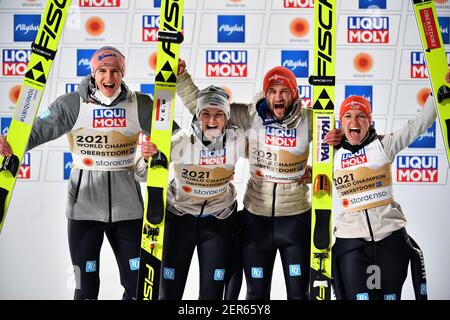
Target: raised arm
point(401, 138)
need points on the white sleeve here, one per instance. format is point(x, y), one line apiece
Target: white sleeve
point(398, 140)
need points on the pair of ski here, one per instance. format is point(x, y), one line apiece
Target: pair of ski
point(323, 80)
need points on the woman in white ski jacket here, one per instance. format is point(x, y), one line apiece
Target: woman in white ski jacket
point(201, 205)
point(371, 239)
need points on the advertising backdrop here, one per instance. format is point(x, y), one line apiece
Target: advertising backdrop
point(229, 43)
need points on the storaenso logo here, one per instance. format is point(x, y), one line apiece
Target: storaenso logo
point(325, 36)
point(52, 22)
point(171, 12)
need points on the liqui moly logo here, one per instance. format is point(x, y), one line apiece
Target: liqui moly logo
point(368, 29)
point(418, 68)
point(25, 168)
point(323, 126)
point(226, 63)
point(26, 26)
point(417, 168)
point(353, 159)
point(99, 3)
point(281, 137)
point(372, 4)
point(109, 118)
point(231, 28)
point(297, 61)
point(15, 61)
point(67, 165)
point(298, 3)
point(150, 27)
point(304, 95)
point(212, 157)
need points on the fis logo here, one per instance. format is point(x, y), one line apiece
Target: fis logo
point(148, 88)
point(304, 95)
point(362, 296)
point(83, 61)
point(150, 27)
point(67, 165)
point(372, 4)
point(295, 270)
point(323, 126)
point(212, 157)
point(5, 123)
point(25, 168)
point(426, 140)
point(257, 273)
point(99, 3)
point(26, 27)
point(353, 159)
point(91, 266)
point(71, 87)
point(444, 23)
point(148, 282)
point(365, 91)
point(417, 169)
point(391, 296)
point(134, 264)
point(15, 61)
point(109, 118)
point(298, 3)
point(231, 28)
point(368, 29)
point(281, 137)
point(297, 61)
point(219, 274)
point(169, 273)
point(226, 63)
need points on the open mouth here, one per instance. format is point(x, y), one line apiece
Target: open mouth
point(354, 132)
point(278, 106)
point(109, 86)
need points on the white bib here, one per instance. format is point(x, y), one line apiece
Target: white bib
point(363, 180)
point(105, 138)
point(278, 154)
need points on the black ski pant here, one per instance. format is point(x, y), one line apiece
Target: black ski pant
point(85, 242)
point(213, 238)
point(261, 238)
point(367, 270)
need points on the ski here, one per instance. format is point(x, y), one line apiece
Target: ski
point(437, 64)
point(323, 81)
point(42, 55)
point(169, 39)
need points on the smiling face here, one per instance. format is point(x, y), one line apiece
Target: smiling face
point(355, 124)
point(279, 100)
point(108, 80)
point(212, 122)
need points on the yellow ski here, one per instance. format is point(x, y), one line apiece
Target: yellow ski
point(43, 53)
point(169, 39)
